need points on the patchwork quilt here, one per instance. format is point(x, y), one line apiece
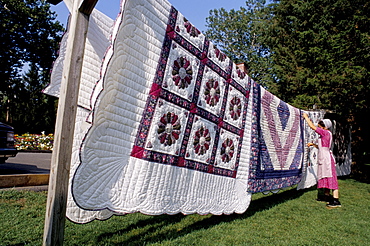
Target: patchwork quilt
point(169, 128)
point(342, 148)
point(167, 123)
point(309, 172)
point(277, 143)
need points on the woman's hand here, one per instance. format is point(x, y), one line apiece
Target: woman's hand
point(309, 122)
point(311, 144)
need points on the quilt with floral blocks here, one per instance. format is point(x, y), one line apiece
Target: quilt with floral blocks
point(173, 125)
point(170, 128)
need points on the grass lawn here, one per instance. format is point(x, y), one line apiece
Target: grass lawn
point(289, 217)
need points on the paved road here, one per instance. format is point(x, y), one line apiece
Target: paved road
point(26, 163)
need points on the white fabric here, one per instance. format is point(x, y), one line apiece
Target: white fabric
point(327, 123)
point(74, 212)
point(309, 172)
point(108, 176)
point(97, 42)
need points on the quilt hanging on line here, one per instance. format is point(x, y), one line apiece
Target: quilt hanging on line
point(277, 148)
point(170, 128)
point(309, 171)
point(342, 147)
point(176, 126)
point(97, 43)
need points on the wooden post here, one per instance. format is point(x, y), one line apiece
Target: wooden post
point(64, 128)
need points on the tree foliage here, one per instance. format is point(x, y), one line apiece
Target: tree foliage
point(317, 51)
point(30, 39)
point(320, 51)
point(237, 34)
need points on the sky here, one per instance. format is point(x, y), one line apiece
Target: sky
point(196, 13)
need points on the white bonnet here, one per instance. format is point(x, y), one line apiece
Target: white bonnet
point(327, 123)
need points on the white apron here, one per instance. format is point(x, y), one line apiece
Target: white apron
point(324, 161)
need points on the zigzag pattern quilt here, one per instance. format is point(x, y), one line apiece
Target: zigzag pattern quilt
point(173, 125)
point(277, 143)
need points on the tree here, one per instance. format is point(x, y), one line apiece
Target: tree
point(320, 50)
point(237, 34)
point(30, 40)
point(316, 52)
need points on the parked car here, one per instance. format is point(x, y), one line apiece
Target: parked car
point(7, 148)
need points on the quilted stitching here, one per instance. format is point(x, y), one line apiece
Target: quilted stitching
point(277, 143)
point(142, 177)
point(175, 126)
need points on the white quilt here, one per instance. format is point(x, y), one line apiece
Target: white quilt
point(120, 172)
point(166, 122)
point(189, 191)
point(97, 42)
point(309, 173)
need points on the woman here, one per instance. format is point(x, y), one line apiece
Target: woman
point(326, 172)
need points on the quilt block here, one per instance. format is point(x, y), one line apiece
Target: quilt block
point(195, 115)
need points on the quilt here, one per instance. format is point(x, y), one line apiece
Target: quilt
point(342, 147)
point(309, 171)
point(169, 129)
point(97, 42)
point(167, 123)
point(277, 143)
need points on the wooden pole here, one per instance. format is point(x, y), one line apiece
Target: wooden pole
point(64, 128)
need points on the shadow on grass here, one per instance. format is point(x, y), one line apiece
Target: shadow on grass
point(153, 224)
point(152, 228)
